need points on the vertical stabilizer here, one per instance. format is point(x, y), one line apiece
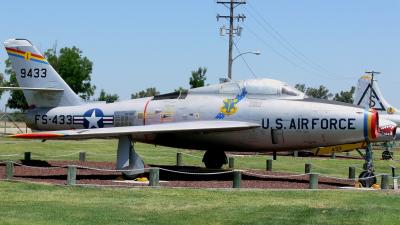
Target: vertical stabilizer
point(371, 97)
point(34, 72)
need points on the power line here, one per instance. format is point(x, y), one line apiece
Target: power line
point(277, 52)
point(282, 40)
point(290, 47)
point(244, 60)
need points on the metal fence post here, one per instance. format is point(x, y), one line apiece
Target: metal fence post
point(231, 162)
point(393, 171)
point(82, 156)
point(71, 176)
point(269, 164)
point(154, 177)
point(9, 170)
point(27, 156)
point(178, 159)
point(237, 178)
point(307, 168)
point(352, 172)
point(385, 181)
point(313, 180)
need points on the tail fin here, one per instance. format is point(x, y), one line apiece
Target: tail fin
point(35, 75)
point(377, 101)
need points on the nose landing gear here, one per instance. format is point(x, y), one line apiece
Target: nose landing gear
point(367, 177)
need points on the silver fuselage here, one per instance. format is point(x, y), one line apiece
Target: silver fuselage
point(286, 122)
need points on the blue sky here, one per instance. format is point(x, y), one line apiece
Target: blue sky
point(140, 44)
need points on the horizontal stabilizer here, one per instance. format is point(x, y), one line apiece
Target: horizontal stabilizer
point(177, 127)
point(29, 89)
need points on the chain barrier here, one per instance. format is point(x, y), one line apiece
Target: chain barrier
point(112, 170)
point(366, 178)
point(273, 176)
point(36, 167)
point(190, 173)
point(338, 178)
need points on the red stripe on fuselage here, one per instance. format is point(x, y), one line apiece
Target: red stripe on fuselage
point(144, 112)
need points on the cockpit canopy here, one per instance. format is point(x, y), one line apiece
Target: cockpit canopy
point(254, 87)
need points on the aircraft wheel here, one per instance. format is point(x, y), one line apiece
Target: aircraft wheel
point(386, 155)
point(370, 178)
point(214, 159)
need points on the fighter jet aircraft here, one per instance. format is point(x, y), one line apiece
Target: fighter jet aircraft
point(250, 115)
point(368, 95)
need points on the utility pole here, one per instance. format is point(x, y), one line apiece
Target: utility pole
point(372, 85)
point(231, 31)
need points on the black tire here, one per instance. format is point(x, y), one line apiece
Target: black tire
point(386, 155)
point(214, 159)
point(371, 180)
point(213, 165)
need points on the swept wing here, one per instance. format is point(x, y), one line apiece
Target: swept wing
point(196, 126)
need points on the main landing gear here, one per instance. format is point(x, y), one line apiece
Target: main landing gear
point(128, 159)
point(367, 176)
point(214, 159)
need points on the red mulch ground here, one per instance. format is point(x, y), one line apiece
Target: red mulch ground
point(55, 172)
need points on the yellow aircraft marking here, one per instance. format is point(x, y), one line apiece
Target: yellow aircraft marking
point(338, 148)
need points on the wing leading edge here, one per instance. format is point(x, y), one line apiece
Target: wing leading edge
point(195, 126)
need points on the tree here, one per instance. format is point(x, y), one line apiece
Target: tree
point(109, 98)
point(301, 87)
point(145, 93)
point(320, 92)
point(17, 99)
point(2, 83)
point(345, 96)
point(181, 90)
point(198, 77)
point(74, 68)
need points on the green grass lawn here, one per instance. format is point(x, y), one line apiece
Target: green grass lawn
point(44, 204)
point(105, 150)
